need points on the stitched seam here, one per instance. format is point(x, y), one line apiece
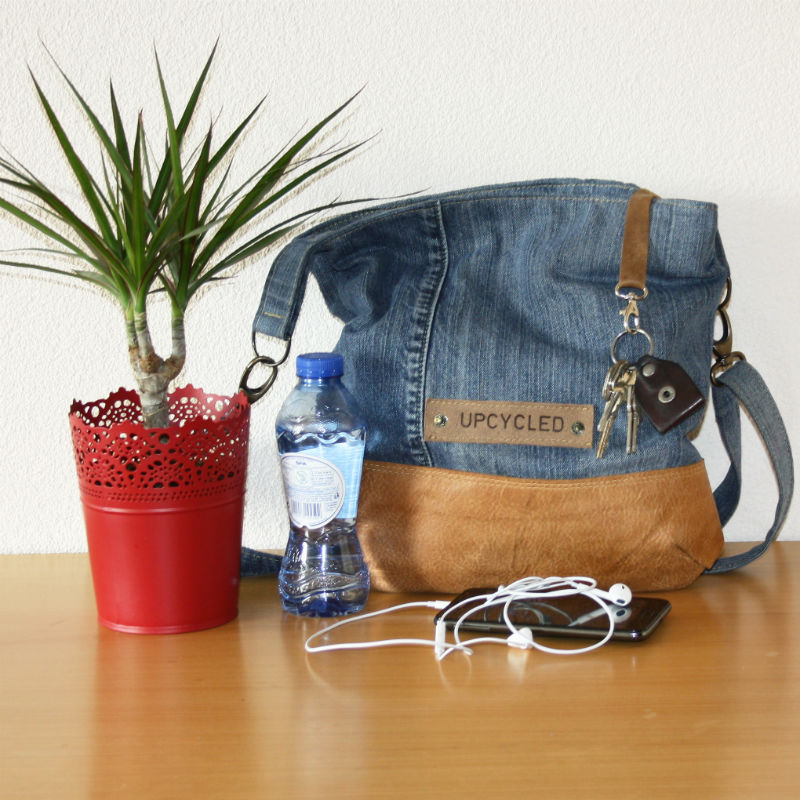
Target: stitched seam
point(556, 484)
point(391, 214)
point(520, 403)
point(444, 255)
point(500, 193)
point(534, 438)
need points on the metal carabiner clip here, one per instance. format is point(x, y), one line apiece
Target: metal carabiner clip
point(256, 393)
point(722, 347)
point(724, 354)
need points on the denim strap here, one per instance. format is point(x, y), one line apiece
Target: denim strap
point(285, 289)
point(256, 563)
point(726, 412)
point(742, 384)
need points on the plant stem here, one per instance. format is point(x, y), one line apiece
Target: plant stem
point(178, 356)
point(153, 374)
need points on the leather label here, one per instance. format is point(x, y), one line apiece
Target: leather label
point(489, 422)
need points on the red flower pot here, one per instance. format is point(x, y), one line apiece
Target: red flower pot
point(163, 508)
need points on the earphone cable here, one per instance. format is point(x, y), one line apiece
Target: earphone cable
point(322, 648)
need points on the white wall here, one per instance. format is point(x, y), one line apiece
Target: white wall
point(691, 99)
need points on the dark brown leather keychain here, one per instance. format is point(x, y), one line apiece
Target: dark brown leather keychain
point(665, 392)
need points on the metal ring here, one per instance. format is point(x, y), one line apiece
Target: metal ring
point(282, 359)
point(632, 332)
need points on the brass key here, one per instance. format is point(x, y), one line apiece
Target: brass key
point(609, 416)
point(612, 378)
point(615, 394)
point(633, 410)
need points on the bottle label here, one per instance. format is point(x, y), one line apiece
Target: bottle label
point(322, 483)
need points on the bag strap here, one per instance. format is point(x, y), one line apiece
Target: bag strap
point(281, 299)
point(741, 384)
point(636, 241)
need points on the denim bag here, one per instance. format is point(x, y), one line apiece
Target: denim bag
point(479, 327)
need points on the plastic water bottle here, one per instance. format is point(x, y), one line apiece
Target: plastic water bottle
point(321, 436)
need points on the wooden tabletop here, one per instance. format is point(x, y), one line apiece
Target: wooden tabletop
point(709, 707)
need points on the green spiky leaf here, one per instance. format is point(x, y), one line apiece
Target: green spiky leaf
point(145, 223)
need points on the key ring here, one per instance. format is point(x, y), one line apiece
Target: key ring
point(253, 394)
point(632, 332)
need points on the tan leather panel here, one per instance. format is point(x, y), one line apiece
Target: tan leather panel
point(431, 529)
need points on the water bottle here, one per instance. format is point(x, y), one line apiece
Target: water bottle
point(321, 436)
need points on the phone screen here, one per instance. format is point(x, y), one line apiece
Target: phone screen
point(573, 616)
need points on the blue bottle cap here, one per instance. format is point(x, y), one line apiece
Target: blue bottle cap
point(319, 365)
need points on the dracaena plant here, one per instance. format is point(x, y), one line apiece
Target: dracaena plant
point(159, 224)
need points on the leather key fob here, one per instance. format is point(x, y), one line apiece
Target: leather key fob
point(665, 392)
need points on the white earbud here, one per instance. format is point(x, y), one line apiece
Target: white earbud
point(618, 594)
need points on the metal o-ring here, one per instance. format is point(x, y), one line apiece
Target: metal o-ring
point(632, 332)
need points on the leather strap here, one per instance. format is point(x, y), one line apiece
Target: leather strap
point(636, 241)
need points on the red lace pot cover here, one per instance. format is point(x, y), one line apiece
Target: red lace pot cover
point(163, 508)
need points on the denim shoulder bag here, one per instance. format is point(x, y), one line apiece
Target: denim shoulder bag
point(533, 360)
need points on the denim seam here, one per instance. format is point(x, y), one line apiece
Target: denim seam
point(421, 323)
point(444, 255)
point(549, 484)
point(469, 195)
point(488, 190)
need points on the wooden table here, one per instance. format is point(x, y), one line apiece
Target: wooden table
point(708, 708)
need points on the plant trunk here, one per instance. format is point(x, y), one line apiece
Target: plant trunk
point(154, 374)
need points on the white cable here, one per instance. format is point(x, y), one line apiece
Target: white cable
point(436, 604)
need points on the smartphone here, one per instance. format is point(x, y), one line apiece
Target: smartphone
point(573, 616)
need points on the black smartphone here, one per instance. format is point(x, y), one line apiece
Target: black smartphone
point(574, 616)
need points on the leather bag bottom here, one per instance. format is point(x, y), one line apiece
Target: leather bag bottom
point(426, 529)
